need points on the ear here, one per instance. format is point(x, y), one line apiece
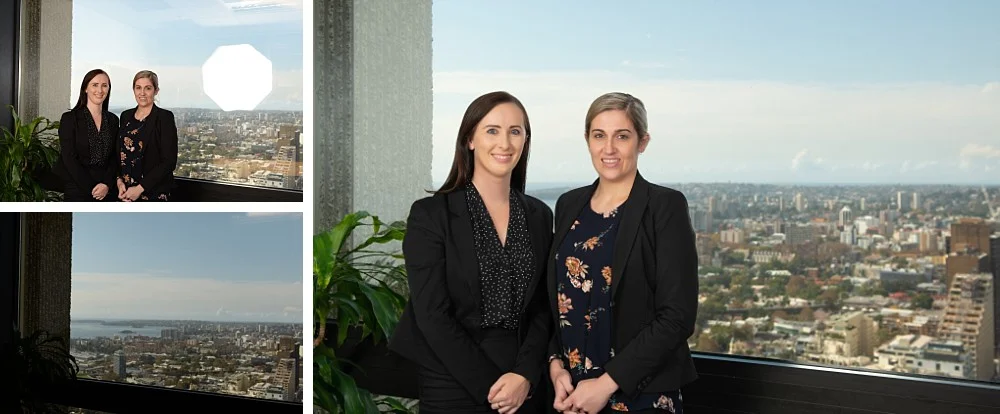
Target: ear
point(643, 143)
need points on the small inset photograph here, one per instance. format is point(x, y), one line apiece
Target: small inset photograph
point(124, 101)
point(152, 312)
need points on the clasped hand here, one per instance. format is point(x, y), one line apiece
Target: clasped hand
point(508, 393)
point(130, 193)
point(588, 397)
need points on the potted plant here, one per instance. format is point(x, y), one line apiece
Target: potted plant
point(28, 151)
point(358, 290)
point(40, 364)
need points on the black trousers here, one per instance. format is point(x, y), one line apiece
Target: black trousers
point(442, 393)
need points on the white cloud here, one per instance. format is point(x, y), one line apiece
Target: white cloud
point(701, 128)
point(149, 296)
point(980, 151)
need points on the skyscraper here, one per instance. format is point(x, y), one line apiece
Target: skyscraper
point(970, 234)
point(968, 319)
point(119, 356)
point(846, 218)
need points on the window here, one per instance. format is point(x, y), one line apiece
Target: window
point(208, 302)
point(840, 165)
point(231, 72)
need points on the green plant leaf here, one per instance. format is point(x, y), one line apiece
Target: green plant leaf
point(384, 307)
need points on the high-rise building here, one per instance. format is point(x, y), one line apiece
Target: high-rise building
point(970, 234)
point(287, 374)
point(849, 235)
point(901, 201)
point(968, 319)
point(928, 241)
point(964, 263)
point(796, 234)
point(915, 203)
point(732, 236)
point(995, 266)
point(862, 204)
point(845, 217)
point(800, 202)
point(119, 356)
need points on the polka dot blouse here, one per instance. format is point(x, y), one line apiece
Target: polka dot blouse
point(504, 269)
point(100, 140)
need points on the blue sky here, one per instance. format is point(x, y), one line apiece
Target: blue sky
point(175, 37)
point(204, 266)
point(775, 91)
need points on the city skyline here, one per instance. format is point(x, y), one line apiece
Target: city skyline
point(218, 267)
point(800, 93)
point(187, 33)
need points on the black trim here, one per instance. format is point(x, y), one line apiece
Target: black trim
point(743, 384)
point(190, 189)
point(738, 384)
point(195, 190)
point(10, 266)
point(114, 397)
point(10, 25)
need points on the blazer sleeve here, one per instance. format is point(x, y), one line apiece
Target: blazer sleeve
point(68, 154)
point(424, 250)
point(114, 159)
point(554, 346)
point(675, 299)
point(168, 149)
point(531, 357)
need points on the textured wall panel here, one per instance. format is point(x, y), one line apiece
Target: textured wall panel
point(372, 108)
point(45, 289)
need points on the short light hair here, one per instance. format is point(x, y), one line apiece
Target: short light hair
point(147, 74)
point(633, 107)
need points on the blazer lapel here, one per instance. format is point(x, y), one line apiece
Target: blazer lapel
point(461, 227)
point(148, 130)
point(631, 213)
point(536, 228)
point(563, 223)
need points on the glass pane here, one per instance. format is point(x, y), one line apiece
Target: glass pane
point(230, 71)
point(840, 165)
point(212, 303)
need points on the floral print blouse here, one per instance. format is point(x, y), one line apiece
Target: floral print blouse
point(131, 156)
point(584, 275)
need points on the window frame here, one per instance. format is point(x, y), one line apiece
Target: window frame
point(10, 22)
point(103, 395)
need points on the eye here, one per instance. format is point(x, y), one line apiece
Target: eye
point(598, 135)
point(515, 131)
point(492, 131)
point(623, 137)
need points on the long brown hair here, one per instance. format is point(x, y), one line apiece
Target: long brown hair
point(82, 101)
point(463, 166)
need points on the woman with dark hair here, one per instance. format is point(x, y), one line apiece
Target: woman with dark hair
point(86, 140)
point(623, 278)
point(147, 146)
point(476, 322)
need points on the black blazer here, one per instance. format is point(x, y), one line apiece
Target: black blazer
point(654, 295)
point(159, 157)
point(74, 150)
point(440, 327)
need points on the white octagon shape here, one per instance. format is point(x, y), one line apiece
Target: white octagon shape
point(237, 77)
